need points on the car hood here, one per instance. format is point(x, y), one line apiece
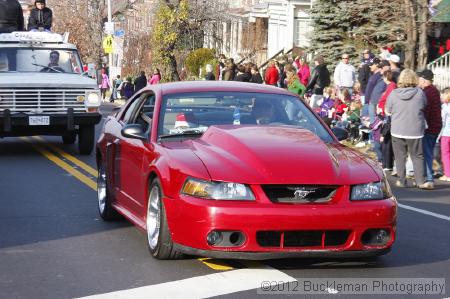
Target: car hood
point(277, 155)
point(40, 80)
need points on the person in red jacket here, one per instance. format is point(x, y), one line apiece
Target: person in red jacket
point(433, 120)
point(272, 76)
point(388, 78)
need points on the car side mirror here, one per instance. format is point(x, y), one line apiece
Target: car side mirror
point(340, 133)
point(134, 131)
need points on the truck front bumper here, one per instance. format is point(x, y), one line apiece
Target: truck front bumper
point(13, 124)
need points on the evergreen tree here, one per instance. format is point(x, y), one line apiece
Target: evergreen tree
point(331, 37)
point(350, 26)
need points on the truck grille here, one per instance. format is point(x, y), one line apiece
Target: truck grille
point(41, 100)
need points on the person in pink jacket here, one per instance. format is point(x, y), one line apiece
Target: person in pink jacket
point(303, 71)
point(104, 85)
point(156, 77)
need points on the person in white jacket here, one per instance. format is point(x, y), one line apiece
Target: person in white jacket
point(344, 74)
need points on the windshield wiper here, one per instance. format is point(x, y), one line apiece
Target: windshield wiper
point(46, 67)
point(192, 132)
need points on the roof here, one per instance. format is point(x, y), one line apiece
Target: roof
point(442, 12)
point(203, 86)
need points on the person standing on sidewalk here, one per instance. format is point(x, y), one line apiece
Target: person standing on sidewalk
point(104, 85)
point(433, 119)
point(320, 79)
point(406, 106)
point(344, 74)
point(11, 16)
point(445, 135)
point(376, 76)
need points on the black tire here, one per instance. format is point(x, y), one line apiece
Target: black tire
point(69, 138)
point(86, 137)
point(104, 197)
point(163, 249)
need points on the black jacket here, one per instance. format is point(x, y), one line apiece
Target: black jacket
point(364, 75)
point(210, 76)
point(319, 80)
point(140, 83)
point(256, 78)
point(40, 18)
point(11, 16)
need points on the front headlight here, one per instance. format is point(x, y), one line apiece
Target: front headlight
point(371, 191)
point(92, 100)
point(217, 190)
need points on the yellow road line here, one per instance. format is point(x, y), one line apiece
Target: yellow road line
point(52, 157)
point(214, 264)
point(71, 158)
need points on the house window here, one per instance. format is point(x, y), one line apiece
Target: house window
point(302, 29)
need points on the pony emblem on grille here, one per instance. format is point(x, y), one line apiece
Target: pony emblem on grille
point(302, 194)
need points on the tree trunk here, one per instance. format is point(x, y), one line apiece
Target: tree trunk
point(423, 37)
point(174, 76)
point(411, 34)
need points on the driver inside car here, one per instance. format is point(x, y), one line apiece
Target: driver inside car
point(263, 112)
point(54, 63)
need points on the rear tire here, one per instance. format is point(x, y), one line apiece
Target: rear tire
point(69, 138)
point(86, 137)
point(159, 241)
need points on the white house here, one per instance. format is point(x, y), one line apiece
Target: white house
point(288, 23)
point(258, 29)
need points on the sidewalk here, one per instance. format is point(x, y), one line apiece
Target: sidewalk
point(118, 102)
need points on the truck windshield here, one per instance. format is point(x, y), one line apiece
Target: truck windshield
point(39, 60)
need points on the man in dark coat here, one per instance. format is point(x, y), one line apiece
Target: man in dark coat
point(40, 17)
point(140, 82)
point(319, 80)
point(11, 16)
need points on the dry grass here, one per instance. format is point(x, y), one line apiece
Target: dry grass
point(366, 150)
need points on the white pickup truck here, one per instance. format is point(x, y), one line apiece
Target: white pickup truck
point(43, 90)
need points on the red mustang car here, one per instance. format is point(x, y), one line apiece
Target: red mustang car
point(239, 170)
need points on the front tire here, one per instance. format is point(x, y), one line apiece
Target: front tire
point(159, 241)
point(105, 208)
point(86, 137)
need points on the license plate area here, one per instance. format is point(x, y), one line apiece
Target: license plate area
point(40, 120)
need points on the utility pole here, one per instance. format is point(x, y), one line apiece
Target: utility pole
point(110, 55)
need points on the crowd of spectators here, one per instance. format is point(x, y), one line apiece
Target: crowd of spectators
point(407, 117)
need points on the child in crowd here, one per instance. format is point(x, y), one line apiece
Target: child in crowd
point(341, 103)
point(376, 127)
point(445, 135)
point(324, 110)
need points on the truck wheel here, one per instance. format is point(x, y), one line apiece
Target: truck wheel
point(86, 136)
point(69, 138)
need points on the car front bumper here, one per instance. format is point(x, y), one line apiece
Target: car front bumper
point(247, 255)
point(190, 220)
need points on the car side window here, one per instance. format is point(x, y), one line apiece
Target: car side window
point(129, 113)
point(141, 111)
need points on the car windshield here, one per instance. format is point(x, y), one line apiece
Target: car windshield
point(195, 112)
point(39, 60)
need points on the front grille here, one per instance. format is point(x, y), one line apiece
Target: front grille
point(308, 238)
point(299, 193)
point(41, 100)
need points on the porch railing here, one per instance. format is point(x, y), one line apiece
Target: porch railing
point(441, 69)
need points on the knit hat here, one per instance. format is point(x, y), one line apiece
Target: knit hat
point(39, 1)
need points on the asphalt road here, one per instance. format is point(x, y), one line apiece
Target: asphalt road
point(53, 244)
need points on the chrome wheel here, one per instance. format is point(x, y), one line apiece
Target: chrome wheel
point(101, 189)
point(153, 217)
